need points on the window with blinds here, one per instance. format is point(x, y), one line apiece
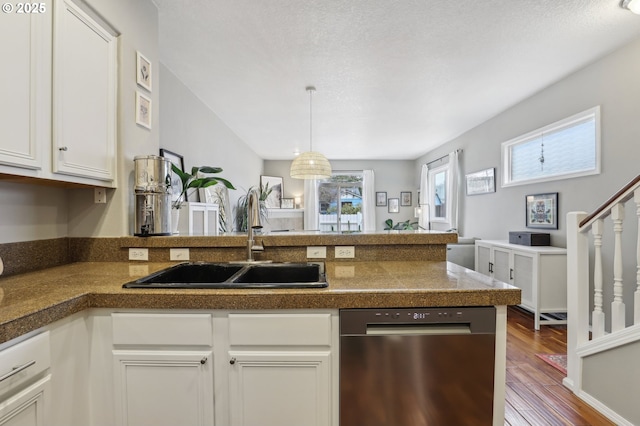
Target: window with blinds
point(565, 149)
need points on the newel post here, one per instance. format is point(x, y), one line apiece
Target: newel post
point(577, 297)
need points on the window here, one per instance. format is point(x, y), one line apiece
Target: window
point(438, 182)
point(565, 149)
point(340, 203)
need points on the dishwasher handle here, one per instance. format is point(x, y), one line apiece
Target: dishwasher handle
point(418, 329)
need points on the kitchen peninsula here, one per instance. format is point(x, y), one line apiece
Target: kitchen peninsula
point(92, 319)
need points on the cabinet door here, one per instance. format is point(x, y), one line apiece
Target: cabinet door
point(28, 407)
point(502, 265)
point(524, 277)
point(483, 259)
point(279, 388)
point(84, 95)
point(163, 388)
point(23, 84)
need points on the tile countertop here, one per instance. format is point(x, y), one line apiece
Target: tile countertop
point(32, 300)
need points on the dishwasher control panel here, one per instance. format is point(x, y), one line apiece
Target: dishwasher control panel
point(480, 319)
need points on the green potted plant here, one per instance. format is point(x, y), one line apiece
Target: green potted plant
point(191, 180)
point(242, 206)
point(405, 226)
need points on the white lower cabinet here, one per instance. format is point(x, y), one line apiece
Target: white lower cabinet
point(163, 369)
point(280, 388)
point(539, 271)
point(25, 393)
point(155, 368)
point(282, 369)
point(27, 408)
point(160, 387)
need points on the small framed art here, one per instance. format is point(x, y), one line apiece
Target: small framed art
point(143, 71)
point(143, 110)
point(381, 199)
point(286, 203)
point(394, 205)
point(405, 198)
point(542, 211)
point(481, 182)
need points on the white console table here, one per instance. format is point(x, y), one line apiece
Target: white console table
point(539, 271)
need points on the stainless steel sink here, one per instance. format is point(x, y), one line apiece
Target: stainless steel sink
point(234, 275)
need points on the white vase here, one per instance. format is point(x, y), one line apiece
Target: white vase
point(175, 218)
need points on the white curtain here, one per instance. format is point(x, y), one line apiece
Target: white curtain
point(311, 208)
point(423, 219)
point(369, 200)
point(454, 189)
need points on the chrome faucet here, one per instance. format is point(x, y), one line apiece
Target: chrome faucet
point(253, 222)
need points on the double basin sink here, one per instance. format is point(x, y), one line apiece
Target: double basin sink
point(235, 275)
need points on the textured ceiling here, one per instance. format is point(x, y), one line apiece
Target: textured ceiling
point(394, 78)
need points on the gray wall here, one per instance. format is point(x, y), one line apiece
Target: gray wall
point(189, 128)
point(613, 378)
point(610, 82)
point(391, 176)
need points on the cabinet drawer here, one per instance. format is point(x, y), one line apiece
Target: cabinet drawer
point(280, 329)
point(162, 329)
point(24, 360)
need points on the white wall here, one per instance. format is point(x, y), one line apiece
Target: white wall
point(391, 176)
point(30, 212)
point(189, 127)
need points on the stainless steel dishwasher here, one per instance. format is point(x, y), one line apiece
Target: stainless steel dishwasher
point(407, 367)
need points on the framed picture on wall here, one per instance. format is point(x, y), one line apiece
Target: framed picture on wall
point(143, 71)
point(176, 184)
point(481, 182)
point(542, 211)
point(274, 199)
point(394, 205)
point(405, 198)
point(143, 110)
point(381, 199)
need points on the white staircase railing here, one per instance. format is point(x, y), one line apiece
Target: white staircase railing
point(580, 227)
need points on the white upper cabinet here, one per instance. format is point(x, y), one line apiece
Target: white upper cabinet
point(84, 95)
point(58, 107)
point(25, 84)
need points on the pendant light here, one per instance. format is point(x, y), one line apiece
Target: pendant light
point(311, 164)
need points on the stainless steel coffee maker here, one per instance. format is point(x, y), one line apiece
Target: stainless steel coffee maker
point(153, 196)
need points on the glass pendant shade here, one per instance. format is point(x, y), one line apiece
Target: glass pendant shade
point(310, 165)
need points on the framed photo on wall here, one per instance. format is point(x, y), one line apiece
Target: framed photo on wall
point(176, 184)
point(274, 200)
point(143, 110)
point(481, 182)
point(542, 211)
point(381, 199)
point(143, 71)
point(405, 198)
point(394, 205)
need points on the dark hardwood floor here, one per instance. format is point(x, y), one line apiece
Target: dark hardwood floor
point(534, 392)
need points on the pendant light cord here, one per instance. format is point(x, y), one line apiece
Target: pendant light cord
point(311, 89)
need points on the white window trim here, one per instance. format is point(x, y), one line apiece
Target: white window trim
point(506, 149)
point(432, 184)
